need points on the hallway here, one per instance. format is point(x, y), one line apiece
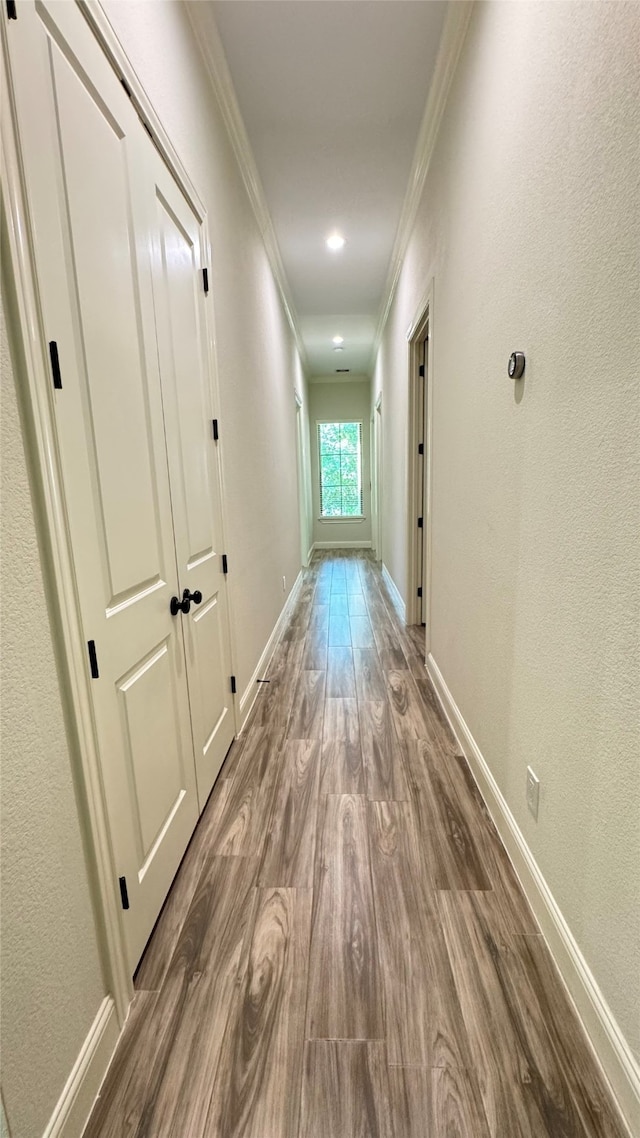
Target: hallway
point(346, 951)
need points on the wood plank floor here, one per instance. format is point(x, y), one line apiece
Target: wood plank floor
point(346, 951)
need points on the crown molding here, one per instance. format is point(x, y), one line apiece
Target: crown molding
point(453, 35)
point(203, 23)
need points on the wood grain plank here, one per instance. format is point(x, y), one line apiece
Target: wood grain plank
point(357, 604)
point(342, 768)
point(443, 1101)
point(319, 618)
point(515, 1096)
point(339, 605)
point(339, 630)
point(195, 1001)
point(341, 722)
point(346, 1091)
point(341, 680)
point(382, 756)
point(370, 683)
point(307, 713)
point(424, 1022)
point(244, 818)
point(516, 912)
point(452, 827)
point(118, 1108)
point(361, 632)
point(344, 998)
point(155, 961)
point(290, 846)
point(260, 1067)
point(391, 655)
point(314, 658)
point(556, 1038)
point(338, 585)
point(405, 705)
point(273, 705)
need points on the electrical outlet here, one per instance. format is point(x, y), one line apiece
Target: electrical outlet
point(533, 792)
point(284, 584)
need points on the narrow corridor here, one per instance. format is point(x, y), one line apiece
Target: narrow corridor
point(346, 951)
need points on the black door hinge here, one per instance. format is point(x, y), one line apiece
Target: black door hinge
point(233, 685)
point(205, 280)
point(215, 430)
point(419, 523)
point(55, 365)
point(12, 13)
point(124, 896)
point(126, 87)
point(420, 448)
point(225, 566)
point(420, 591)
point(421, 371)
point(93, 660)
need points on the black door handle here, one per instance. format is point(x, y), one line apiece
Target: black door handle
point(188, 597)
point(176, 605)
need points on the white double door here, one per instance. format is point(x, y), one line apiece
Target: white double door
point(119, 257)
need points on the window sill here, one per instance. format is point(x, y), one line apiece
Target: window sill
point(354, 518)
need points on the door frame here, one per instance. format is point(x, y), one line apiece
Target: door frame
point(40, 432)
point(303, 497)
point(419, 329)
point(376, 470)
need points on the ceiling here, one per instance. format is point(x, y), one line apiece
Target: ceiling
point(332, 94)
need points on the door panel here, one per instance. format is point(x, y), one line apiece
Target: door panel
point(185, 368)
point(83, 152)
point(152, 744)
point(94, 162)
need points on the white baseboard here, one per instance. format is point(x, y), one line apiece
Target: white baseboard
point(398, 602)
point(250, 693)
point(310, 553)
point(342, 545)
point(610, 1047)
point(81, 1089)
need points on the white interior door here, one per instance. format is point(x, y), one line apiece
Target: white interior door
point(178, 243)
point(80, 139)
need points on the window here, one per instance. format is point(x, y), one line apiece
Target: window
point(340, 453)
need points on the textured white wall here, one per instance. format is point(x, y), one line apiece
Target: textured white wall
point(529, 225)
point(257, 358)
point(340, 401)
point(51, 981)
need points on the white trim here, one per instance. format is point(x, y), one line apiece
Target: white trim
point(341, 519)
point(342, 545)
point(81, 1088)
point(610, 1047)
point(394, 593)
point(35, 390)
point(453, 35)
point(208, 37)
point(310, 553)
point(250, 693)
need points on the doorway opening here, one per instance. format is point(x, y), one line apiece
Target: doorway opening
point(419, 471)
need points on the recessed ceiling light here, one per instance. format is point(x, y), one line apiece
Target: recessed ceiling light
point(336, 241)
point(338, 339)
